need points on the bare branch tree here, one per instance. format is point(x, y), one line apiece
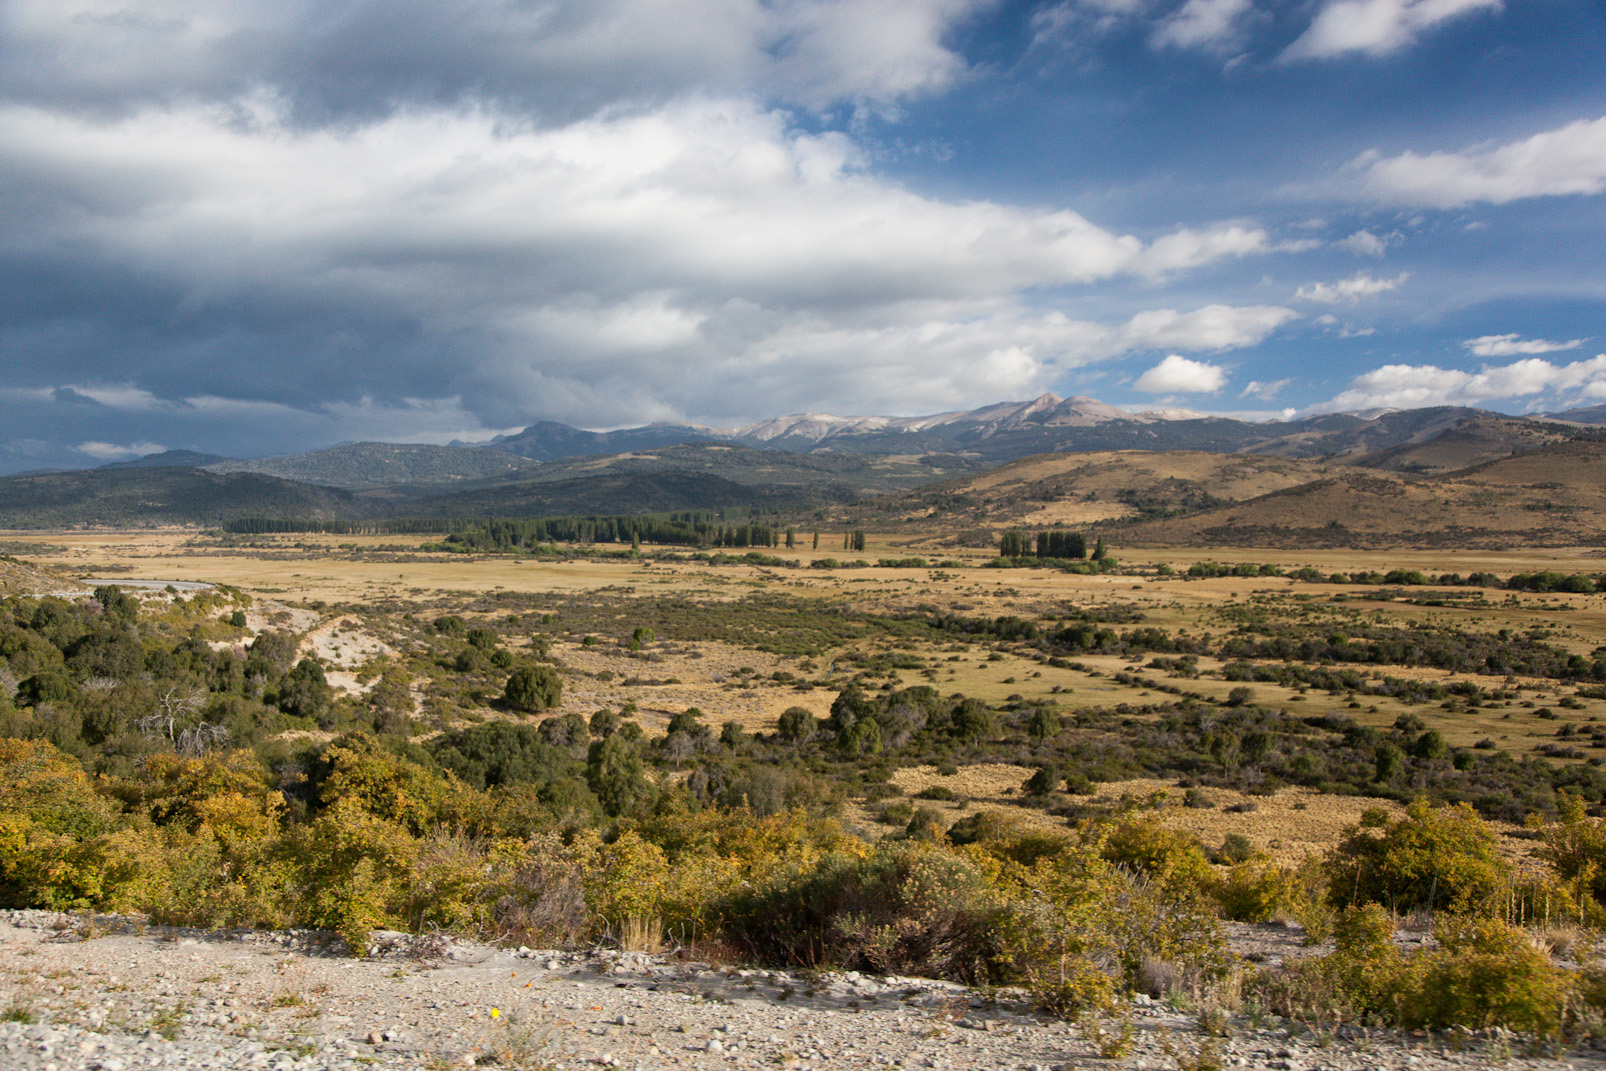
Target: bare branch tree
point(175, 722)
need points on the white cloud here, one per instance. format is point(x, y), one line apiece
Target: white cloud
point(1264, 391)
point(1178, 375)
point(1366, 244)
point(1063, 25)
point(1187, 248)
point(556, 58)
point(113, 452)
point(1212, 25)
point(1512, 345)
point(882, 49)
point(1213, 327)
point(1358, 286)
point(1570, 160)
point(1403, 386)
point(699, 260)
point(1376, 27)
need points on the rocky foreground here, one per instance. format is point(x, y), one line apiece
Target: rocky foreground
point(103, 995)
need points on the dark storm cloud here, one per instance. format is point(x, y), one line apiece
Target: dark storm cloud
point(574, 272)
point(337, 60)
point(245, 227)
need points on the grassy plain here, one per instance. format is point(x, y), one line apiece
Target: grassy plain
point(743, 642)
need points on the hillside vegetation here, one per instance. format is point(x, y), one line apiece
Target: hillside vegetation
point(1552, 496)
point(208, 761)
point(359, 466)
point(163, 496)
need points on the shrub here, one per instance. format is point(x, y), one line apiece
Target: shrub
point(1388, 763)
point(796, 723)
point(1046, 780)
point(1257, 892)
point(1429, 857)
point(1486, 973)
point(532, 689)
point(1044, 723)
point(350, 865)
point(616, 773)
point(974, 720)
point(901, 907)
point(1576, 848)
point(1169, 856)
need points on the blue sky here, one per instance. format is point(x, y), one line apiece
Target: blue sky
point(260, 226)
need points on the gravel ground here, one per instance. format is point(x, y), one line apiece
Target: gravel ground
point(110, 995)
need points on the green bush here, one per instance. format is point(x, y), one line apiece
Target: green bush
point(1440, 858)
point(532, 689)
point(904, 908)
point(796, 723)
point(1486, 973)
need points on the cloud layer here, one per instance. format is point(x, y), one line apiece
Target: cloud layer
point(1357, 286)
point(1377, 27)
point(1178, 375)
point(1403, 386)
point(581, 269)
point(559, 59)
point(1567, 161)
point(243, 226)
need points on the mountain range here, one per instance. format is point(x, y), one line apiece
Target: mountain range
point(990, 435)
point(821, 464)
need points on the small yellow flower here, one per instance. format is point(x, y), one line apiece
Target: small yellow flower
point(496, 1013)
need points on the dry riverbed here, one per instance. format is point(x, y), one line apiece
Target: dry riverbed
point(104, 995)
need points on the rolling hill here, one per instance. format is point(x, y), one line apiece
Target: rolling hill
point(1552, 496)
point(365, 466)
point(1465, 442)
point(996, 434)
point(1089, 488)
point(134, 496)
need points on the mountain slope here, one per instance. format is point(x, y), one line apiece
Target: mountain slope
point(1086, 488)
point(1552, 496)
point(163, 496)
point(357, 466)
point(170, 459)
point(847, 474)
point(1007, 431)
point(548, 441)
point(1468, 441)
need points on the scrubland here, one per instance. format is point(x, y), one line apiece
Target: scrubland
point(1070, 784)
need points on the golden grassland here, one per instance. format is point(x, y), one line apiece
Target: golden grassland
point(321, 580)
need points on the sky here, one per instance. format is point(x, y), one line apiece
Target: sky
point(257, 227)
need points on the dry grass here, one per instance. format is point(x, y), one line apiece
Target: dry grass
point(279, 575)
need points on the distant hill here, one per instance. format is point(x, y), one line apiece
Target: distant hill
point(358, 466)
point(1008, 431)
point(170, 459)
point(1466, 441)
point(1594, 414)
point(1088, 488)
point(1552, 496)
point(163, 496)
point(1067, 460)
point(848, 475)
point(548, 441)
